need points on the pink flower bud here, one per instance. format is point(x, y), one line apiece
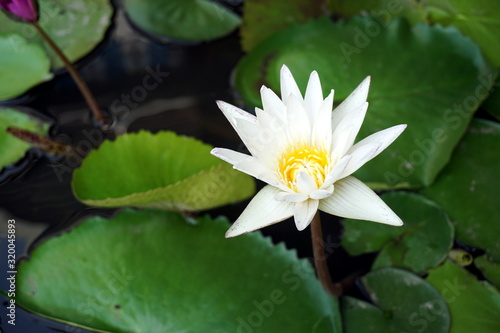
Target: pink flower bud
point(25, 10)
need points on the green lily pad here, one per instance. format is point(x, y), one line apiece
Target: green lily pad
point(76, 27)
point(474, 305)
point(22, 66)
point(490, 269)
point(13, 149)
point(480, 20)
point(404, 302)
point(163, 171)
point(190, 20)
point(421, 243)
point(431, 78)
point(467, 188)
point(262, 18)
point(149, 271)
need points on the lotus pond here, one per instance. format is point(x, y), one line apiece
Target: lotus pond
point(114, 213)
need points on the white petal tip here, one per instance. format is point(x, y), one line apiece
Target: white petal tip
point(301, 226)
point(230, 233)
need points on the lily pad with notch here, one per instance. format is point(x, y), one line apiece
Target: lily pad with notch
point(162, 171)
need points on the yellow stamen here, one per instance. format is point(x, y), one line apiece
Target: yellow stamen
point(314, 161)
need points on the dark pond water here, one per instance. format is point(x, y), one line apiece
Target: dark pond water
point(190, 79)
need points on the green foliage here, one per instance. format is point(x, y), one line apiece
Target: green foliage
point(435, 98)
point(479, 19)
point(421, 243)
point(403, 302)
point(76, 26)
point(262, 18)
point(490, 269)
point(163, 171)
point(474, 305)
point(149, 271)
point(467, 188)
point(22, 66)
point(13, 148)
point(190, 20)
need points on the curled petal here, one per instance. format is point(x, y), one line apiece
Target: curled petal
point(353, 199)
point(261, 212)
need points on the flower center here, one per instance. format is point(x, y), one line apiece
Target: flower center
point(314, 161)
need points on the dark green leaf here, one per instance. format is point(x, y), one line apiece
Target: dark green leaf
point(431, 78)
point(262, 18)
point(468, 188)
point(474, 305)
point(421, 243)
point(405, 303)
point(479, 19)
point(490, 269)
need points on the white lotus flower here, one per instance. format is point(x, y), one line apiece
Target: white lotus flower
point(305, 153)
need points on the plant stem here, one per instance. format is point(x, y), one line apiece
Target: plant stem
point(84, 89)
point(334, 289)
